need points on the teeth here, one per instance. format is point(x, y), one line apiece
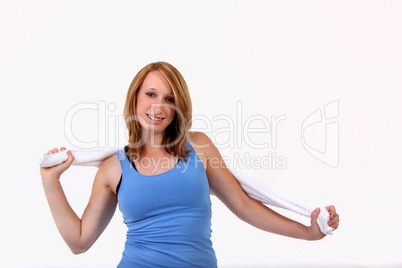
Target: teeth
point(155, 118)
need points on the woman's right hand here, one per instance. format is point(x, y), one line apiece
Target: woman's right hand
point(56, 171)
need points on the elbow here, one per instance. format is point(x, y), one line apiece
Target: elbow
point(80, 246)
point(76, 250)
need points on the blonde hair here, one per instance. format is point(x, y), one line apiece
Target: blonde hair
point(176, 134)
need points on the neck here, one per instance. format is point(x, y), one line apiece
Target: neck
point(153, 143)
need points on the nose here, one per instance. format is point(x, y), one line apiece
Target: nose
point(156, 107)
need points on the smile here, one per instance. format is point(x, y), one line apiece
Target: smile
point(155, 118)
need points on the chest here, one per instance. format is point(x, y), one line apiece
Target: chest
point(183, 187)
point(155, 165)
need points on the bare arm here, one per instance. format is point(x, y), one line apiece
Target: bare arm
point(80, 234)
point(228, 190)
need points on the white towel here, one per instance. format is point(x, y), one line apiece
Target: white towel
point(256, 190)
point(269, 196)
point(82, 157)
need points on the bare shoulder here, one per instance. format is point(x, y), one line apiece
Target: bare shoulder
point(205, 149)
point(110, 172)
point(200, 142)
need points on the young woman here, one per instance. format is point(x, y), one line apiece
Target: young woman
point(161, 182)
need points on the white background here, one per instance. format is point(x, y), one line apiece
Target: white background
point(277, 58)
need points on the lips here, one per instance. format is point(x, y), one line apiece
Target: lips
point(155, 118)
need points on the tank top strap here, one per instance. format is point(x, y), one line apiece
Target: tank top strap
point(125, 163)
point(190, 147)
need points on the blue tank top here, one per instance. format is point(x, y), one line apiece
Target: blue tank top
point(168, 216)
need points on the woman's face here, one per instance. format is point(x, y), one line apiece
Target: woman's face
point(155, 103)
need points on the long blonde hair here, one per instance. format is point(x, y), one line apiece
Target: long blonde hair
point(176, 134)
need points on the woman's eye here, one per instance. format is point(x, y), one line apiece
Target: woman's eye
point(150, 94)
point(170, 100)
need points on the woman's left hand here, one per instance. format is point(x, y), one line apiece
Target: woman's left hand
point(314, 230)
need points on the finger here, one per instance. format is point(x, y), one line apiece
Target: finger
point(55, 150)
point(70, 158)
point(314, 215)
point(332, 211)
point(335, 222)
point(62, 149)
point(330, 208)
